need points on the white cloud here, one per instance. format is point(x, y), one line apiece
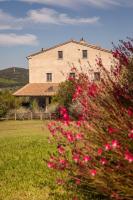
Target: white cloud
point(41, 16)
point(8, 22)
point(104, 3)
point(77, 3)
point(14, 39)
point(51, 16)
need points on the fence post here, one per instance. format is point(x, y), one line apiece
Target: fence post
point(50, 116)
point(31, 116)
point(15, 116)
point(40, 116)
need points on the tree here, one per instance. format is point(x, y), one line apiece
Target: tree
point(7, 102)
point(65, 93)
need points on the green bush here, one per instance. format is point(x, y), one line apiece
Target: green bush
point(96, 151)
point(65, 93)
point(34, 105)
point(8, 102)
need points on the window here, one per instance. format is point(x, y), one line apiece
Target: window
point(49, 77)
point(96, 76)
point(60, 54)
point(72, 75)
point(84, 54)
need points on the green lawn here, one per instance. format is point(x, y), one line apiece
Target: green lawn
point(23, 172)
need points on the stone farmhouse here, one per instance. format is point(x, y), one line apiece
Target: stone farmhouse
point(49, 67)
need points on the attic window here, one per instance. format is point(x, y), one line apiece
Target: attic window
point(49, 77)
point(97, 76)
point(60, 54)
point(84, 53)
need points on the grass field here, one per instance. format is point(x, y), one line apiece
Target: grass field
point(23, 172)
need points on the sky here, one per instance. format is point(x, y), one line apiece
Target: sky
point(26, 26)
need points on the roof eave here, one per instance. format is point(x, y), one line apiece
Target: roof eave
point(73, 41)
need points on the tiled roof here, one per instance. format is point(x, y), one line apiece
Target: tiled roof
point(71, 41)
point(37, 89)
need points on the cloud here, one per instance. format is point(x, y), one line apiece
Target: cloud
point(77, 3)
point(42, 16)
point(108, 3)
point(8, 22)
point(51, 16)
point(14, 39)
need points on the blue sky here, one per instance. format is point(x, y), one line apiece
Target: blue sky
point(28, 25)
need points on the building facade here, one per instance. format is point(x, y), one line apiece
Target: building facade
point(49, 67)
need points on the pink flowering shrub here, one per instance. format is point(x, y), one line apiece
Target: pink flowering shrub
point(96, 150)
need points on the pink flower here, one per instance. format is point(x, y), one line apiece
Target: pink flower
point(60, 181)
point(129, 157)
point(62, 164)
point(86, 158)
point(61, 150)
point(107, 147)
point(78, 123)
point(130, 112)
point(116, 54)
point(114, 195)
point(66, 117)
point(115, 144)
point(93, 172)
point(76, 158)
point(93, 90)
point(63, 110)
point(62, 161)
point(79, 136)
point(77, 181)
point(79, 89)
point(130, 135)
point(70, 137)
point(50, 164)
point(53, 132)
point(103, 161)
point(112, 130)
point(99, 152)
point(64, 113)
point(77, 93)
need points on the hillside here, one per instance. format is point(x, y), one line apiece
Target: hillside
point(13, 77)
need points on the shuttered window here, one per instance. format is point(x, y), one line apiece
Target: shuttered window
point(84, 54)
point(60, 54)
point(49, 77)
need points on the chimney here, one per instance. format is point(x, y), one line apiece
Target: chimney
point(82, 41)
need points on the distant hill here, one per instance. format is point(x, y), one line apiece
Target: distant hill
point(13, 77)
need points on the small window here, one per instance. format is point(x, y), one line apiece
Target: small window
point(49, 77)
point(96, 76)
point(60, 54)
point(72, 75)
point(84, 52)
